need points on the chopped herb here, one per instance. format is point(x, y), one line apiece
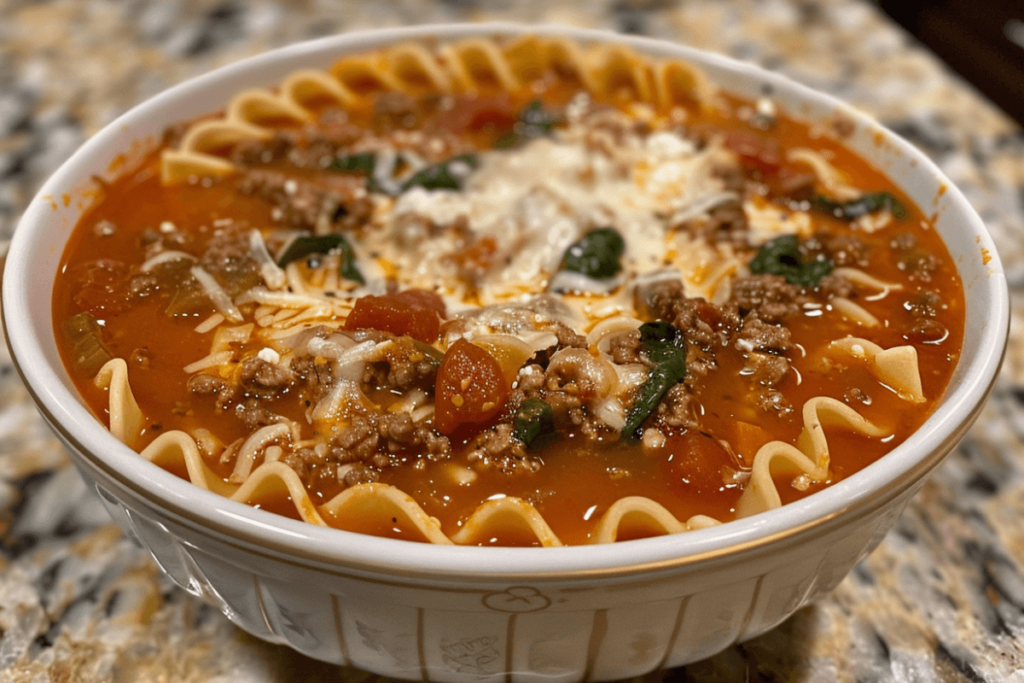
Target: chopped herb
point(365, 163)
point(536, 119)
point(323, 244)
point(447, 175)
point(534, 424)
point(534, 122)
point(855, 208)
point(781, 256)
point(665, 348)
point(361, 163)
point(596, 255)
point(507, 140)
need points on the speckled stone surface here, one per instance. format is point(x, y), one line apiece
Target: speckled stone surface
point(942, 599)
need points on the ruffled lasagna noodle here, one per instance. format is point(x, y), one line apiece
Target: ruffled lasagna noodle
point(666, 273)
point(475, 66)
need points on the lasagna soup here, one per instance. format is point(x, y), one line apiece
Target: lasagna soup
point(523, 292)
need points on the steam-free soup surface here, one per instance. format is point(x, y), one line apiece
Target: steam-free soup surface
point(756, 345)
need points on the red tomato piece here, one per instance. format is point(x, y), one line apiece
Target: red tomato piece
point(480, 113)
point(763, 156)
point(695, 462)
point(471, 388)
point(757, 152)
point(416, 313)
point(709, 314)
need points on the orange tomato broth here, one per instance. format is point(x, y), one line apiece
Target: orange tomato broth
point(578, 481)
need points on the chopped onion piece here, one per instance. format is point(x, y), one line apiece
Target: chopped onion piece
point(611, 412)
point(164, 257)
point(271, 272)
point(217, 295)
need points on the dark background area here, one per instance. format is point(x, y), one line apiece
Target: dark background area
point(983, 40)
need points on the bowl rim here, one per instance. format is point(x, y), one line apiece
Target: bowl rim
point(308, 545)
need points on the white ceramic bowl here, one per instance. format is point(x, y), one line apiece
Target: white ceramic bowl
point(445, 613)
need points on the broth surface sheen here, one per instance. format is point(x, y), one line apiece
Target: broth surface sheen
point(757, 346)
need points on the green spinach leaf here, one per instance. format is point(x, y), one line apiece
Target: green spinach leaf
point(534, 122)
point(855, 208)
point(321, 244)
point(362, 163)
point(781, 256)
point(447, 175)
point(665, 347)
point(365, 163)
point(534, 424)
point(596, 255)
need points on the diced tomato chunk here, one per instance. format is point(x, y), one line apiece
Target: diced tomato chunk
point(710, 314)
point(746, 439)
point(759, 153)
point(416, 313)
point(480, 113)
point(695, 462)
point(471, 388)
point(762, 156)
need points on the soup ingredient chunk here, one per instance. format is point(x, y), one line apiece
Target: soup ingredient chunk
point(470, 390)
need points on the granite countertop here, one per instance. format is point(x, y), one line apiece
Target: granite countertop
point(942, 599)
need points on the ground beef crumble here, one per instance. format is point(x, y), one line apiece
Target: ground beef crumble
point(359, 452)
point(707, 327)
point(923, 307)
point(497, 447)
point(625, 348)
point(265, 380)
point(843, 249)
point(566, 386)
point(227, 258)
point(315, 375)
point(254, 414)
point(751, 321)
point(678, 407)
point(769, 297)
point(374, 438)
point(204, 384)
point(912, 259)
point(406, 366)
point(340, 200)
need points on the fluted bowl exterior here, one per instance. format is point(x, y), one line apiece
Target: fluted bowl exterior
point(444, 613)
